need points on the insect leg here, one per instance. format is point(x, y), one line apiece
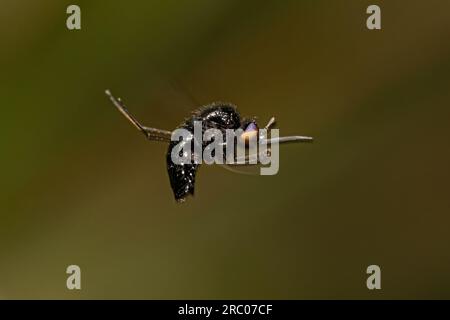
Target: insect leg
point(288, 139)
point(284, 139)
point(153, 133)
point(150, 133)
point(270, 123)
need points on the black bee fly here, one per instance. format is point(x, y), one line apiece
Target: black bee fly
point(217, 115)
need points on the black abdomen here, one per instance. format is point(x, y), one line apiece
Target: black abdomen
point(218, 115)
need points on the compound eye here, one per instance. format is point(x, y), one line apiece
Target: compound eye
point(250, 131)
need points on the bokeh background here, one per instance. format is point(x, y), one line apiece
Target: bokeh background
point(79, 185)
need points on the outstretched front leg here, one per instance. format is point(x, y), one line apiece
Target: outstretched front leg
point(150, 133)
point(271, 123)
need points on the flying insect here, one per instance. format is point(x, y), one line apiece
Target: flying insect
point(218, 115)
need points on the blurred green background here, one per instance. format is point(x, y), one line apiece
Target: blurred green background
point(81, 186)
